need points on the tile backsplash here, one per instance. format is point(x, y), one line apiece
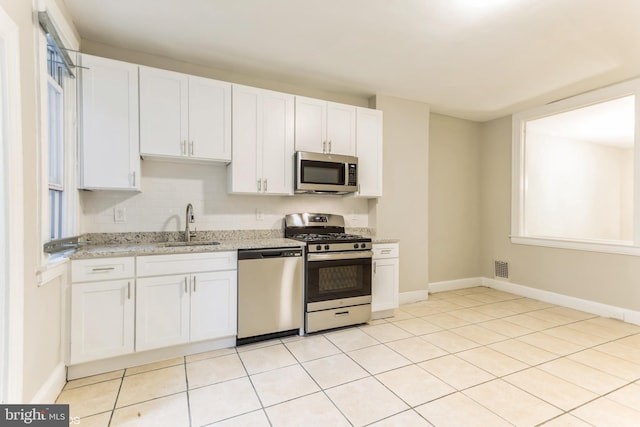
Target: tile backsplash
point(168, 187)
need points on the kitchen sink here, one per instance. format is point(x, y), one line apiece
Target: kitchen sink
point(179, 244)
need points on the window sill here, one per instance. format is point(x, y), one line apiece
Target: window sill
point(54, 269)
point(603, 247)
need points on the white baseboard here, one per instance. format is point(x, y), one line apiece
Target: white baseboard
point(143, 357)
point(413, 296)
point(604, 310)
point(452, 285)
point(52, 387)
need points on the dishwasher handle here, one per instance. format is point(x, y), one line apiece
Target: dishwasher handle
point(246, 254)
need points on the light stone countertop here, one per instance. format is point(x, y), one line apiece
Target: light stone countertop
point(104, 245)
point(381, 240)
point(159, 248)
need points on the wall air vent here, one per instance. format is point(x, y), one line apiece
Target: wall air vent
point(501, 270)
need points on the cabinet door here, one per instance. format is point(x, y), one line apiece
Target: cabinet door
point(384, 284)
point(209, 119)
point(277, 143)
point(311, 124)
point(244, 172)
point(102, 320)
point(369, 152)
point(163, 113)
point(213, 305)
point(162, 311)
point(109, 124)
point(341, 129)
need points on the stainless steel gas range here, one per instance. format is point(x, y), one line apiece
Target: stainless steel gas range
point(338, 271)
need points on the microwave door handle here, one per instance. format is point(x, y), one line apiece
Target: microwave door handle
point(331, 256)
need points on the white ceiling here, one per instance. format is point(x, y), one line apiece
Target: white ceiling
point(474, 59)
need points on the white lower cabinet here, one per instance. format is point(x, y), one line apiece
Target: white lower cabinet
point(385, 279)
point(162, 317)
point(102, 309)
point(192, 306)
point(214, 305)
point(174, 299)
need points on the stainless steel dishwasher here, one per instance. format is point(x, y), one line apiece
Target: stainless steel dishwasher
point(270, 283)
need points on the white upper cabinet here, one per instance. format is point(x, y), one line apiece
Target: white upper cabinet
point(263, 143)
point(325, 127)
point(369, 152)
point(109, 156)
point(209, 119)
point(184, 117)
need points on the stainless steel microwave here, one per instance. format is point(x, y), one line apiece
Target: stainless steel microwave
point(325, 173)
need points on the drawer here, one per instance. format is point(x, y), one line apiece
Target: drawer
point(159, 265)
point(87, 270)
point(386, 250)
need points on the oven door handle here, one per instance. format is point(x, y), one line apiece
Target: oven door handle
point(332, 256)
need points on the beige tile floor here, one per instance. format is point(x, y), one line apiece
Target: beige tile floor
point(471, 357)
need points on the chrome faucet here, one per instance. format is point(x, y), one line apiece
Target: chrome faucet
point(188, 234)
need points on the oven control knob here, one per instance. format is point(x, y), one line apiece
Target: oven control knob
point(355, 246)
point(363, 245)
point(326, 247)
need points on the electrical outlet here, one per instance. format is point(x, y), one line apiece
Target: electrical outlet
point(119, 214)
point(259, 215)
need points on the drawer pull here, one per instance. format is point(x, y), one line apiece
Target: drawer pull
point(341, 314)
point(385, 251)
point(102, 269)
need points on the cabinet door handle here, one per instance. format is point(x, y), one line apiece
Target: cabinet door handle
point(265, 184)
point(191, 148)
point(134, 179)
point(329, 146)
point(259, 185)
point(324, 146)
point(374, 268)
point(183, 147)
point(128, 290)
point(186, 287)
point(194, 284)
point(102, 269)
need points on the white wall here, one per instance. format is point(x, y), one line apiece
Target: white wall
point(402, 212)
point(168, 187)
point(454, 198)
point(605, 278)
point(41, 334)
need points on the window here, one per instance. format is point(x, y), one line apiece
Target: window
point(574, 182)
point(58, 199)
point(56, 77)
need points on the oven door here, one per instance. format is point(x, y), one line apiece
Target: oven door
point(338, 279)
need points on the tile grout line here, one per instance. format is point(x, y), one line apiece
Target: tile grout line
point(572, 321)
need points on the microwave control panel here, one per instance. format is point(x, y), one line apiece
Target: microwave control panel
point(353, 174)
